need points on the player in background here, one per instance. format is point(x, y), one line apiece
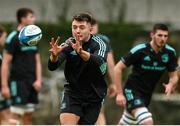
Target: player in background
point(3, 35)
point(149, 61)
point(85, 67)
point(21, 72)
point(4, 113)
point(110, 65)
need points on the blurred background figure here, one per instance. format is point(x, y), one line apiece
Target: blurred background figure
point(150, 61)
point(110, 64)
point(3, 34)
point(21, 72)
point(3, 104)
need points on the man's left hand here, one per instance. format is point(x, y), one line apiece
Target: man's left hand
point(37, 85)
point(169, 88)
point(78, 45)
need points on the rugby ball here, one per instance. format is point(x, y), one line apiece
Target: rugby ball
point(30, 35)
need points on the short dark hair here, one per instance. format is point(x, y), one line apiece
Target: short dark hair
point(82, 17)
point(2, 30)
point(160, 26)
point(22, 12)
point(93, 21)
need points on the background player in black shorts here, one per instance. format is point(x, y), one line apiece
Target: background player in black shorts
point(149, 61)
point(110, 65)
point(3, 103)
point(85, 67)
point(21, 70)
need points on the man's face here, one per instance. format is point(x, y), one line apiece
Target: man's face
point(29, 19)
point(159, 38)
point(95, 29)
point(2, 38)
point(81, 29)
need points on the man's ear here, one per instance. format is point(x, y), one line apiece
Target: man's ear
point(151, 34)
point(91, 28)
point(23, 19)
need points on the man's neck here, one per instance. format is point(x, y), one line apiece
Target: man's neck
point(87, 39)
point(20, 26)
point(155, 47)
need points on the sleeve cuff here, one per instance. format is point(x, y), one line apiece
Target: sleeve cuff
point(52, 65)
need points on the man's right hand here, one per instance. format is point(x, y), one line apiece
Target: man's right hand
point(120, 99)
point(5, 92)
point(56, 49)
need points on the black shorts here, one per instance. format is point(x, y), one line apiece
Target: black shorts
point(23, 92)
point(134, 100)
point(87, 111)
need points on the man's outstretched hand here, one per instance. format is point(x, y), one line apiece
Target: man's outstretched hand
point(78, 45)
point(56, 49)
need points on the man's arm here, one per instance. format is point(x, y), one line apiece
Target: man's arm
point(172, 67)
point(83, 54)
point(7, 58)
point(173, 79)
point(99, 55)
point(111, 65)
point(55, 62)
point(178, 71)
point(38, 67)
point(118, 69)
point(57, 55)
point(37, 83)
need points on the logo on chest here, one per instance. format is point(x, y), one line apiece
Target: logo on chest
point(153, 64)
point(165, 58)
point(147, 58)
point(73, 52)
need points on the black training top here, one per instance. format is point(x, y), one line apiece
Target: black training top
point(148, 67)
point(106, 40)
point(85, 79)
point(23, 64)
